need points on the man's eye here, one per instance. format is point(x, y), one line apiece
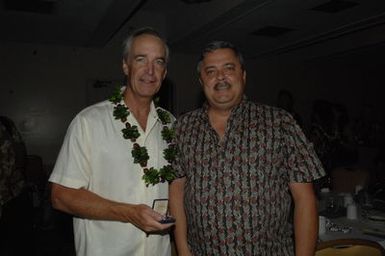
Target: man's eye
point(161, 62)
point(210, 72)
point(230, 67)
point(140, 59)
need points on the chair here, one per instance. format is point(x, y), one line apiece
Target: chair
point(350, 247)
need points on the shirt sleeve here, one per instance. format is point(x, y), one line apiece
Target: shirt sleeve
point(72, 168)
point(301, 162)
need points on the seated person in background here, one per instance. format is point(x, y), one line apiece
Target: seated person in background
point(333, 144)
point(285, 101)
point(345, 152)
point(16, 212)
point(369, 129)
point(377, 182)
point(324, 132)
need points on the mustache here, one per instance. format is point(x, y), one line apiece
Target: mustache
point(221, 85)
point(148, 78)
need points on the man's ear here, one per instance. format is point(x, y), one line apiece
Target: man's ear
point(125, 67)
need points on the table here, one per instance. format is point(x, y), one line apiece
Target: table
point(361, 228)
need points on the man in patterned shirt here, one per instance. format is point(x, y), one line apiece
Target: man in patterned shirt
point(241, 164)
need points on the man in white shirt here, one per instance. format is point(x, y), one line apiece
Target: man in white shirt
point(97, 178)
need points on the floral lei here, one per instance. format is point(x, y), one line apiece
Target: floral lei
point(151, 175)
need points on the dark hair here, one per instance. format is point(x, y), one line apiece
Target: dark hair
point(8, 124)
point(284, 92)
point(143, 31)
point(215, 45)
point(322, 113)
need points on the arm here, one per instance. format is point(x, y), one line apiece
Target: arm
point(85, 204)
point(176, 198)
point(305, 218)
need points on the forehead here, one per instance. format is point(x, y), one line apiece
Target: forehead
point(148, 44)
point(220, 56)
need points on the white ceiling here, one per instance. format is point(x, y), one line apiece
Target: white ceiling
point(94, 23)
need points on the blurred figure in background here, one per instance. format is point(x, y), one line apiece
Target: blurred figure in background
point(285, 101)
point(324, 132)
point(16, 211)
point(369, 129)
point(333, 141)
point(377, 182)
point(346, 154)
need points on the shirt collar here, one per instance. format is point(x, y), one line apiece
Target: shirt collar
point(236, 111)
point(153, 113)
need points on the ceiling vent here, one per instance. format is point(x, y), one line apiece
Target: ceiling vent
point(271, 31)
point(335, 6)
point(32, 6)
point(195, 1)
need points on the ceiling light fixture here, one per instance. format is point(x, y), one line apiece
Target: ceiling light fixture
point(335, 6)
point(195, 1)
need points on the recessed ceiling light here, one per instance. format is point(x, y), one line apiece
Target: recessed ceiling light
point(335, 6)
point(195, 1)
point(36, 6)
point(271, 31)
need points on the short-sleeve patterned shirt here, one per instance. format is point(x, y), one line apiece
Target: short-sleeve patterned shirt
point(11, 178)
point(237, 197)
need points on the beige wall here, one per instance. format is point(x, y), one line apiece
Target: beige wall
point(182, 72)
point(43, 87)
point(354, 80)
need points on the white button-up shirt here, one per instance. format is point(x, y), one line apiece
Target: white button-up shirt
point(96, 157)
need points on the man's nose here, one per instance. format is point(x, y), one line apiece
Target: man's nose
point(220, 75)
point(150, 68)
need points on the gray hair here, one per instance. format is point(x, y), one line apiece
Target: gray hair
point(143, 31)
point(215, 45)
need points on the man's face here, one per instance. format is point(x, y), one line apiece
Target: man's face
point(222, 78)
point(145, 65)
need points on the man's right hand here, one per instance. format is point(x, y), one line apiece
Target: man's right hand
point(143, 217)
point(85, 204)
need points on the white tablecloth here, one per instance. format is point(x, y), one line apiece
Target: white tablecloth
point(359, 228)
